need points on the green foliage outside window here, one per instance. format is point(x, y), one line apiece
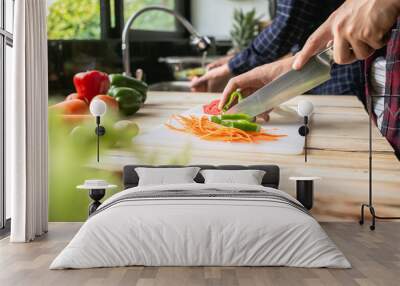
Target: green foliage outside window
point(158, 21)
point(74, 19)
point(80, 19)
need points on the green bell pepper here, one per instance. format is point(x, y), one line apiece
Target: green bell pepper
point(129, 100)
point(119, 80)
point(112, 91)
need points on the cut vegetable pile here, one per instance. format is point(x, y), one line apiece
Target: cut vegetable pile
point(212, 107)
point(227, 130)
point(126, 95)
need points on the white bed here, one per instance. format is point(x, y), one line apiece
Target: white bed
point(248, 226)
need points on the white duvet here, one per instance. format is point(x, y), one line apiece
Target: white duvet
point(200, 232)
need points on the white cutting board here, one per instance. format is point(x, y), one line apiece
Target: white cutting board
point(293, 144)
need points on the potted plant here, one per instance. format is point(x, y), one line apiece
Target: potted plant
point(246, 27)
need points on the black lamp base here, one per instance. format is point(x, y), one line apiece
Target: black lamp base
point(100, 130)
point(96, 195)
point(304, 130)
point(305, 193)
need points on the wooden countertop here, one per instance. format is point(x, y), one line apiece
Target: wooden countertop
point(338, 153)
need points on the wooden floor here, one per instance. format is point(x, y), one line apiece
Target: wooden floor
point(375, 257)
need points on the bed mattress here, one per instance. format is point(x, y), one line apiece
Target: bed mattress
point(201, 225)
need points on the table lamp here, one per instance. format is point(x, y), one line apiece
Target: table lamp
point(305, 108)
point(98, 108)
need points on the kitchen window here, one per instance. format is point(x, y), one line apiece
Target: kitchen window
point(6, 43)
point(73, 19)
point(104, 19)
point(154, 20)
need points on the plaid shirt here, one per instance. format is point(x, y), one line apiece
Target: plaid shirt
point(391, 118)
point(295, 21)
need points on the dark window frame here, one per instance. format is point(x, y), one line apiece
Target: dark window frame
point(109, 32)
point(6, 39)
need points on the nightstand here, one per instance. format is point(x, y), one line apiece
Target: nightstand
point(97, 190)
point(305, 190)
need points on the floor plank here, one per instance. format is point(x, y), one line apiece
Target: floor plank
point(375, 257)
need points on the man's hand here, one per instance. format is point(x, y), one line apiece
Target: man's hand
point(318, 41)
point(213, 81)
point(219, 62)
point(253, 80)
point(357, 29)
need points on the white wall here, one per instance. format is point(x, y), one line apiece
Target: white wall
point(214, 17)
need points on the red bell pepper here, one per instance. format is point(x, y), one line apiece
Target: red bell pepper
point(90, 84)
point(212, 108)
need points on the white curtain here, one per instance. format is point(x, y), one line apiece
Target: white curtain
point(26, 123)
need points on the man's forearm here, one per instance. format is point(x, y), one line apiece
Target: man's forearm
point(278, 68)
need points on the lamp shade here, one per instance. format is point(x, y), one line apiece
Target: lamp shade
point(305, 108)
point(98, 107)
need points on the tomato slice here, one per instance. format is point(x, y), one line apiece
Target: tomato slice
point(212, 108)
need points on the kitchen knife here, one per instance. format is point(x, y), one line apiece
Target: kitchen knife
point(287, 86)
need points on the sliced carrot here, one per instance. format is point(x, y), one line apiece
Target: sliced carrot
point(205, 129)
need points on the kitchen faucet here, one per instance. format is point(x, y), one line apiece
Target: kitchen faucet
point(201, 42)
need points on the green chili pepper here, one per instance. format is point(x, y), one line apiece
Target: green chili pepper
point(239, 121)
point(216, 119)
point(237, 117)
point(236, 95)
point(242, 125)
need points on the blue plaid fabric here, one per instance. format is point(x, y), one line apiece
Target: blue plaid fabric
point(295, 21)
point(345, 80)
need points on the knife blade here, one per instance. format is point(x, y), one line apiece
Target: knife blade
point(287, 86)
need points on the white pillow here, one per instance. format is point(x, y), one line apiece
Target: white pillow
point(166, 176)
point(246, 177)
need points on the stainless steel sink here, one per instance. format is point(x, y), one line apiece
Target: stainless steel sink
point(190, 61)
point(183, 68)
point(183, 86)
